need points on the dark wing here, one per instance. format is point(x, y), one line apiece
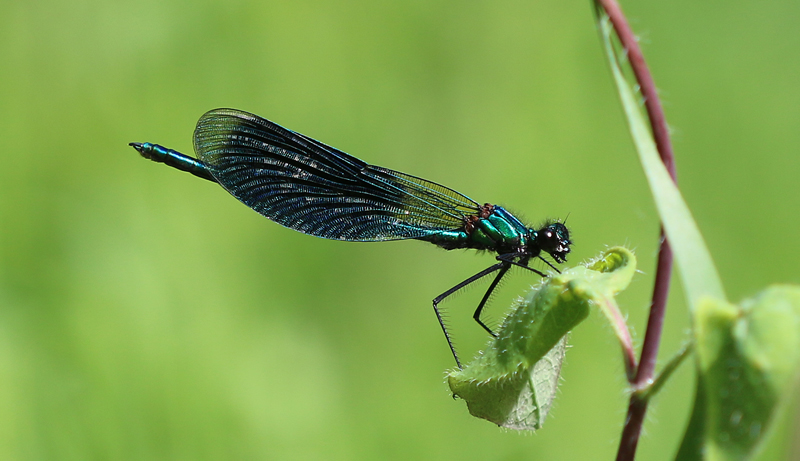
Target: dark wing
point(313, 188)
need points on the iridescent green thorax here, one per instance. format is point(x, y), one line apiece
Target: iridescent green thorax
point(498, 230)
point(491, 228)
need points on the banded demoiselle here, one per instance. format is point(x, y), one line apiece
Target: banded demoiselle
point(316, 189)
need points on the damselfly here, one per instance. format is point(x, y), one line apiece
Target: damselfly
point(319, 190)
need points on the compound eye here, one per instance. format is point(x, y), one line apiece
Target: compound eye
point(549, 234)
point(555, 241)
point(554, 237)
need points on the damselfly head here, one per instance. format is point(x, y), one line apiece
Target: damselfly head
point(554, 240)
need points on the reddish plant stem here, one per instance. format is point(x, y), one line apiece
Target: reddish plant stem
point(644, 374)
point(637, 407)
point(647, 362)
point(652, 103)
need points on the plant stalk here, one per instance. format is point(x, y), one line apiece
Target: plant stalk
point(646, 369)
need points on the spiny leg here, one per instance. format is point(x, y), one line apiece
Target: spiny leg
point(506, 260)
point(477, 315)
point(449, 292)
point(549, 264)
point(524, 264)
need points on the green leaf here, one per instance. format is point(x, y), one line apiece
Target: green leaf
point(695, 266)
point(747, 359)
point(513, 382)
point(747, 355)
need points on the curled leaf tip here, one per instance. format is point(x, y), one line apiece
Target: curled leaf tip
point(513, 382)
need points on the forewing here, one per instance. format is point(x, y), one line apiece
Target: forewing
point(313, 188)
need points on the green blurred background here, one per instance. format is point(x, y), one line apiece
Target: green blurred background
point(145, 314)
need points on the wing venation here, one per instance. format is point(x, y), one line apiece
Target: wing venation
point(313, 188)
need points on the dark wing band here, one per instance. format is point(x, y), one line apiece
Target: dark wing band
point(313, 188)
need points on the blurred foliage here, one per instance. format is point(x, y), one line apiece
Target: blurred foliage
point(746, 357)
point(145, 314)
